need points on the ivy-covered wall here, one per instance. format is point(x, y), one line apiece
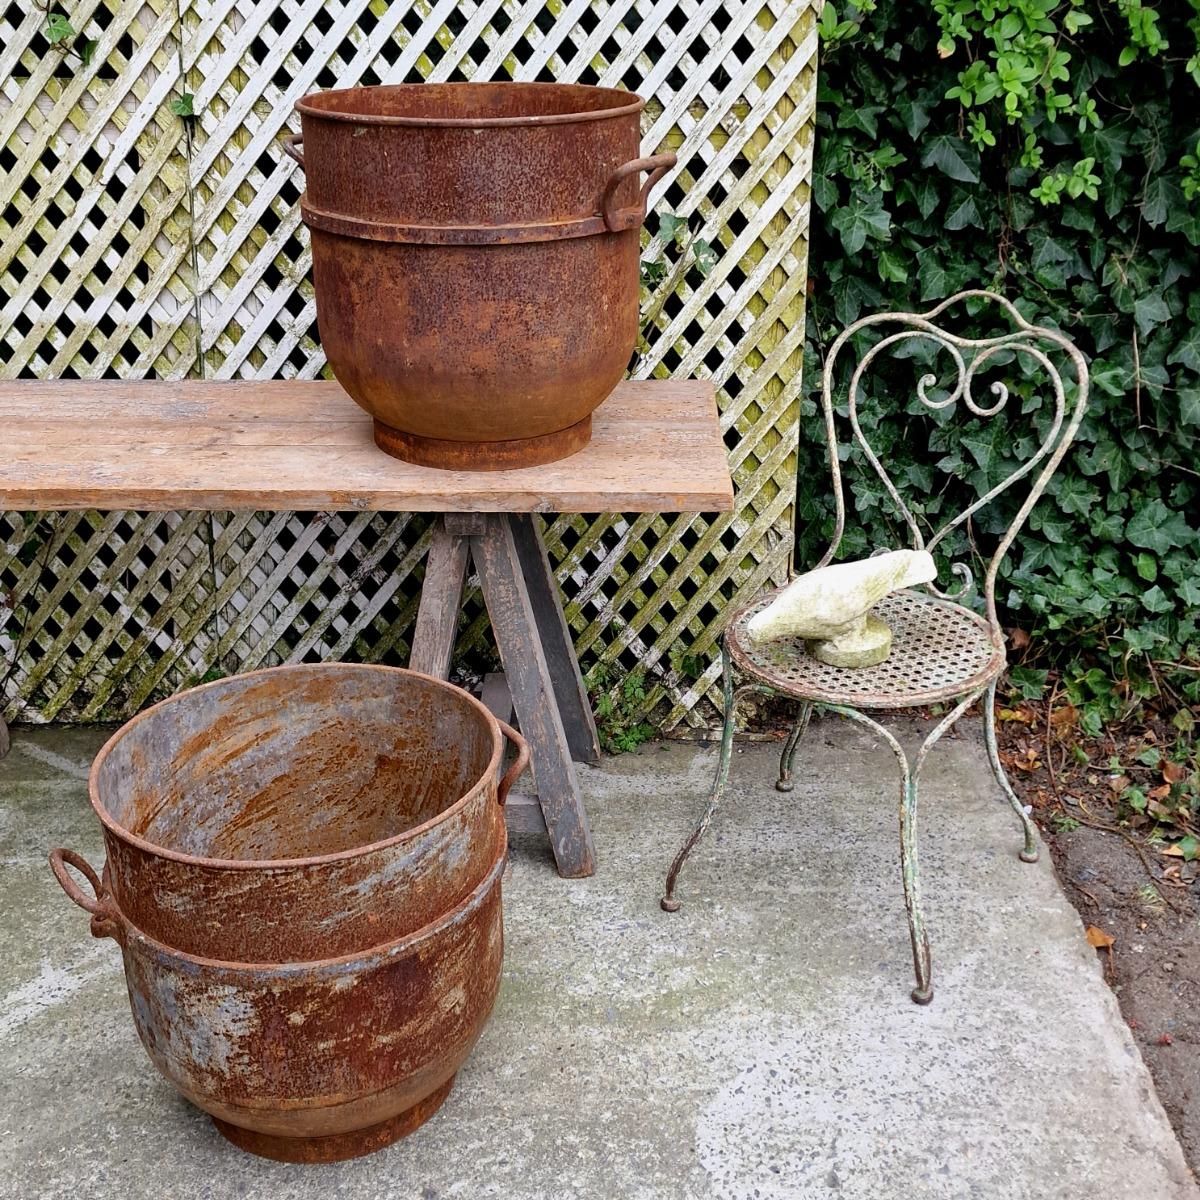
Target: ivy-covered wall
point(1049, 151)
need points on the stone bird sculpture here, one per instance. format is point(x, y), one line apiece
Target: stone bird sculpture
point(831, 607)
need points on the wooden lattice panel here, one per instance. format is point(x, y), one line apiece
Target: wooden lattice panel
point(137, 243)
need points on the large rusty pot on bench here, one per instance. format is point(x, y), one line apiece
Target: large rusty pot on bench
point(303, 874)
point(475, 255)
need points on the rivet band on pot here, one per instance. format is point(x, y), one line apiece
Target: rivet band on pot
point(467, 235)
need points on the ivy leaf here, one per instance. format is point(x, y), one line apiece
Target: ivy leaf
point(863, 217)
point(925, 194)
point(1075, 495)
point(1187, 349)
point(1048, 250)
point(184, 105)
point(705, 257)
point(58, 29)
point(1157, 601)
point(864, 117)
point(915, 116)
point(824, 192)
point(851, 294)
point(1107, 145)
point(1109, 526)
point(1184, 219)
point(1052, 523)
point(1155, 527)
point(88, 51)
point(1030, 683)
point(670, 227)
point(967, 213)
point(1189, 592)
point(1149, 311)
point(952, 156)
point(1159, 198)
point(933, 278)
point(1189, 406)
point(1109, 379)
point(893, 270)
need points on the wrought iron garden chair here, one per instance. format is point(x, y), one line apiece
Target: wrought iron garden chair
point(942, 651)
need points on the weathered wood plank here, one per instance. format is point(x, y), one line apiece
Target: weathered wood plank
point(441, 599)
point(523, 814)
point(292, 444)
point(557, 645)
point(503, 582)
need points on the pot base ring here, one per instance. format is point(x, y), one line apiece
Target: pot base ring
point(483, 456)
point(338, 1146)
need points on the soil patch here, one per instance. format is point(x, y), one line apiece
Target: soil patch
point(1129, 880)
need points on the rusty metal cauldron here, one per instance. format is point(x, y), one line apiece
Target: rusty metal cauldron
point(303, 874)
point(475, 255)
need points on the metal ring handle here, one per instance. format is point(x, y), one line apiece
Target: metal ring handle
point(291, 144)
point(618, 219)
point(58, 864)
point(519, 764)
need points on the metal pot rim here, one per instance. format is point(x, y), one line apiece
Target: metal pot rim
point(307, 106)
point(266, 864)
point(448, 917)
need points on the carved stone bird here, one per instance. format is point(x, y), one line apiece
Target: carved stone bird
point(831, 607)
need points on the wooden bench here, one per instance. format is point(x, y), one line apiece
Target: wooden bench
point(293, 445)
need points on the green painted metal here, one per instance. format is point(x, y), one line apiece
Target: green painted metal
point(968, 355)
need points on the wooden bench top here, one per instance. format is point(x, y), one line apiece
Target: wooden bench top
point(304, 444)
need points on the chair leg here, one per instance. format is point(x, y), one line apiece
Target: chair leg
point(909, 868)
point(1029, 852)
point(784, 782)
point(668, 902)
point(918, 935)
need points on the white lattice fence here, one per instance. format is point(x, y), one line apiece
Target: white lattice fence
point(136, 242)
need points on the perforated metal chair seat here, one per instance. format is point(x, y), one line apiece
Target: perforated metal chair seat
point(940, 650)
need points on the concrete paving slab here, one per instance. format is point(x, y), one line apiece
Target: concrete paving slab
point(758, 1044)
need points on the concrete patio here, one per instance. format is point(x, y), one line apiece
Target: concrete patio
point(760, 1043)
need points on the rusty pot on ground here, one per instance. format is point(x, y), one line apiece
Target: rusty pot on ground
point(475, 255)
point(304, 877)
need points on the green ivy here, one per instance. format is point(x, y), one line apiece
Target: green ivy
point(1050, 151)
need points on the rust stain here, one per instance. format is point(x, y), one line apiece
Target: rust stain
point(319, 1005)
point(506, 212)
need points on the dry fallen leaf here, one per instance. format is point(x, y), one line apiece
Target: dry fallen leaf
point(1066, 715)
point(1019, 638)
point(1016, 714)
point(1118, 783)
point(1098, 938)
point(1173, 772)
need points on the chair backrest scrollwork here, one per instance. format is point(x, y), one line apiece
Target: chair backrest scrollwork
point(969, 356)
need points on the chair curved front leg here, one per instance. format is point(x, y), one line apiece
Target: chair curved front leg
point(732, 696)
point(784, 782)
point(1029, 852)
point(909, 870)
point(909, 866)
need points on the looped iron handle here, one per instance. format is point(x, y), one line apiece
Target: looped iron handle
point(99, 905)
point(519, 763)
point(291, 144)
point(617, 219)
